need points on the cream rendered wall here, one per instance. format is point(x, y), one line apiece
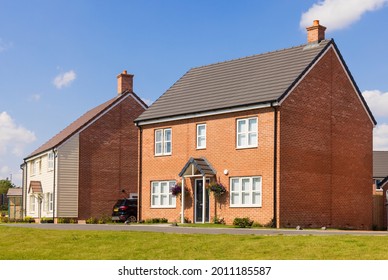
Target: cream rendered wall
point(46, 177)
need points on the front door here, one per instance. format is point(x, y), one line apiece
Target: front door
point(199, 201)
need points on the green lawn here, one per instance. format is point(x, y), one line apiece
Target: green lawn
point(30, 244)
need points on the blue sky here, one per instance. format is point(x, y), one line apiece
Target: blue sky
point(59, 59)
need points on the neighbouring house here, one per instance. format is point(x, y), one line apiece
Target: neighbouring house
point(286, 133)
point(14, 203)
point(82, 171)
point(380, 168)
point(380, 186)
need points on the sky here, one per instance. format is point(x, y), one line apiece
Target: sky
point(59, 59)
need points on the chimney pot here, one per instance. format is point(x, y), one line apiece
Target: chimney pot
point(315, 33)
point(124, 82)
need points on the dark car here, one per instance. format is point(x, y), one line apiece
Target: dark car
point(125, 210)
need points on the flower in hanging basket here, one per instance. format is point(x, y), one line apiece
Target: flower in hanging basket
point(177, 189)
point(216, 188)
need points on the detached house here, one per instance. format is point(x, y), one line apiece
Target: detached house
point(287, 133)
point(83, 170)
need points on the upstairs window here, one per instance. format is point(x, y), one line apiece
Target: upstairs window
point(163, 142)
point(50, 161)
point(247, 133)
point(201, 136)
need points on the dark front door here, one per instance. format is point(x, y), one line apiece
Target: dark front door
point(199, 201)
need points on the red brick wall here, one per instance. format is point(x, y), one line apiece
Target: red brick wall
point(325, 152)
point(109, 160)
point(222, 154)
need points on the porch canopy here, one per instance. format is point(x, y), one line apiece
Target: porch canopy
point(196, 167)
point(35, 187)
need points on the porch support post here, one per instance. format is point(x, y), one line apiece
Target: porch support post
point(203, 199)
point(183, 201)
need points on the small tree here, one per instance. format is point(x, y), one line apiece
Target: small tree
point(5, 185)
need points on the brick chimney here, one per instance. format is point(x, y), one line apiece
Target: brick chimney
point(124, 82)
point(315, 33)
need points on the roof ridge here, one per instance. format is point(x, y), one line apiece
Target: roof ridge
point(253, 55)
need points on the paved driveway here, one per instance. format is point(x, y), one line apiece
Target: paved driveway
point(190, 230)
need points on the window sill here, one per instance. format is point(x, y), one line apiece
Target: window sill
point(245, 206)
point(163, 207)
point(244, 148)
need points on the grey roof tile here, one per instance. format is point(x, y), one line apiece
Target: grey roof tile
point(245, 81)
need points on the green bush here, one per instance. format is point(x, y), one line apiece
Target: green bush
point(29, 219)
point(46, 220)
point(217, 220)
point(92, 220)
point(156, 221)
point(4, 219)
point(67, 221)
point(242, 222)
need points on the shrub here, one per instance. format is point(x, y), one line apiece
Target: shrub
point(242, 222)
point(46, 220)
point(4, 219)
point(29, 219)
point(67, 221)
point(156, 221)
point(92, 220)
point(217, 220)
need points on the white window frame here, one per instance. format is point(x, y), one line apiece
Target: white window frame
point(48, 202)
point(32, 203)
point(157, 195)
point(201, 137)
point(38, 166)
point(247, 133)
point(32, 168)
point(236, 195)
point(50, 161)
point(163, 142)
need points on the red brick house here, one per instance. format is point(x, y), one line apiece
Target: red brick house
point(287, 133)
point(82, 171)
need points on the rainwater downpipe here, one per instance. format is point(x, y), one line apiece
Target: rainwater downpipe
point(140, 164)
point(275, 202)
point(54, 181)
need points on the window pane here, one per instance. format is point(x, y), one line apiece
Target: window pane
point(252, 125)
point(241, 126)
point(163, 200)
point(201, 142)
point(167, 135)
point(245, 198)
point(158, 135)
point(235, 185)
point(154, 200)
point(241, 140)
point(234, 198)
point(245, 184)
point(256, 198)
point(201, 130)
point(256, 184)
point(252, 140)
point(155, 187)
point(167, 147)
point(163, 187)
point(158, 148)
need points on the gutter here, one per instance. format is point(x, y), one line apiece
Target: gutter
point(54, 181)
point(139, 186)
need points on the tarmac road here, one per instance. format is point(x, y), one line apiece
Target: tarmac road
point(193, 230)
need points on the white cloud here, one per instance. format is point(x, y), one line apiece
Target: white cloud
point(380, 137)
point(338, 14)
point(4, 45)
point(35, 97)
point(65, 79)
point(13, 137)
point(377, 102)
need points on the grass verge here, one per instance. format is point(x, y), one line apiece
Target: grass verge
point(38, 244)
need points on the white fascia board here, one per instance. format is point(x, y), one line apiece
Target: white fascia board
point(207, 113)
point(347, 75)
